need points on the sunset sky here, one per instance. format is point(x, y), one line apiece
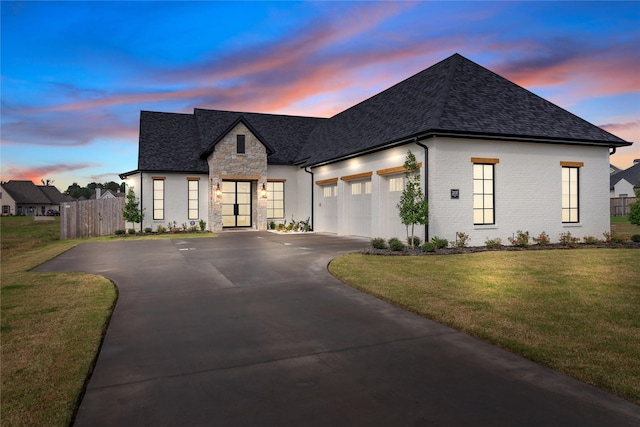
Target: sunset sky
point(75, 75)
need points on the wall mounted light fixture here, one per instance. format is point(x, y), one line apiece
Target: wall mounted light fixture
point(218, 191)
point(263, 192)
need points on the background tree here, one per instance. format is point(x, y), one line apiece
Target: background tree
point(132, 212)
point(413, 206)
point(634, 211)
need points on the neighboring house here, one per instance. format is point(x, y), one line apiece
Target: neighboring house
point(495, 159)
point(26, 198)
point(624, 183)
point(105, 194)
point(613, 169)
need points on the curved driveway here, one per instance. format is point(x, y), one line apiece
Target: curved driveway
point(249, 329)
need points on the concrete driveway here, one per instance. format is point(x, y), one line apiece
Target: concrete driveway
point(249, 329)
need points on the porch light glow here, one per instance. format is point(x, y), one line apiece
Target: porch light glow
point(263, 192)
point(218, 191)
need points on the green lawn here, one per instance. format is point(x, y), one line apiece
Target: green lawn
point(52, 323)
point(575, 311)
point(620, 226)
point(52, 326)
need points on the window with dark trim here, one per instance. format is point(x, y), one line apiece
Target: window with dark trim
point(193, 199)
point(158, 199)
point(483, 194)
point(275, 200)
point(240, 144)
point(570, 194)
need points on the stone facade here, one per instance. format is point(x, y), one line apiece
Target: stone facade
point(226, 164)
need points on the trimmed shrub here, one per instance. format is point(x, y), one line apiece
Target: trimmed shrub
point(147, 230)
point(416, 241)
point(568, 240)
point(440, 243)
point(203, 224)
point(591, 240)
point(635, 238)
point(617, 239)
point(161, 229)
point(378, 243)
point(521, 239)
point(542, 239)
point(132, 231)
point(461, 239)
point(429, 247)
point(493, 243)
point(395, 244)
point(119, 232)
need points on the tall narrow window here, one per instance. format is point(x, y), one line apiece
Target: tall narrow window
point(158, 198)
point(193, 199)
point(240, 144)
point(275, 200)
point(570, 199)
point(483, 200)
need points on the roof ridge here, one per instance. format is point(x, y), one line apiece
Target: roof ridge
point(261, 114)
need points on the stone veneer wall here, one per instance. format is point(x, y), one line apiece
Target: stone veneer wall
point(225, 164)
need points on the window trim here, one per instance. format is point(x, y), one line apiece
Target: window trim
point(153, 186)
point(271, 199)
point(485, 162)
point(241, 147)
point(570, 166)
point(190, 199)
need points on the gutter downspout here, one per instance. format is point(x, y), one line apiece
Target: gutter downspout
point(312, 204)
point(426, 184)
point(613, 152)
point(141, 199)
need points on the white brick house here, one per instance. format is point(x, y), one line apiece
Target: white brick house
point(494, 158)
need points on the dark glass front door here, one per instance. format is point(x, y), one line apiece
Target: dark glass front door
point(236, 204)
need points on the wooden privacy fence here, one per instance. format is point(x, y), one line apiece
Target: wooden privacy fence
point(91, 218)
point(620, 205)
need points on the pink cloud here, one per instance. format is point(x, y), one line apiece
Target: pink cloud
point(35, 174)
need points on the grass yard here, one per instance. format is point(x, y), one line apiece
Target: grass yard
point(575, 311)
point(51, 326)
point(620, 226)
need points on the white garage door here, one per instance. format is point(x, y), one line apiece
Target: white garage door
point(358, 208)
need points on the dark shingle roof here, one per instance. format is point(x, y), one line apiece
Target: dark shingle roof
point(631, 174)
point(26, 192)
point(285, 135)
point(455, 97)
point(169, 142)
point(54, 194)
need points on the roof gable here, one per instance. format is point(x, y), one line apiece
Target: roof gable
point(283, 135)
point(455, 97)
point(631, 175)
point(241, 119)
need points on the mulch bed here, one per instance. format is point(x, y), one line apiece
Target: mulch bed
point(473, 249)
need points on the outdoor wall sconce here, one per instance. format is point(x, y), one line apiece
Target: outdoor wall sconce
point(218, 191)
point(263, 192)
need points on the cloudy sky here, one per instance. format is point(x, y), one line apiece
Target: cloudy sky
point(75, 75)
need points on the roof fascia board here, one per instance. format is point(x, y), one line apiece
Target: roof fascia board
point(469, 135)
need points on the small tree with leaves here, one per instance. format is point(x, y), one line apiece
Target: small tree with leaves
point(634, 211)
point(413, 205)
point(131, 212)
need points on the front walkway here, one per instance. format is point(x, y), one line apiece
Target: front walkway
point(249, 328)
